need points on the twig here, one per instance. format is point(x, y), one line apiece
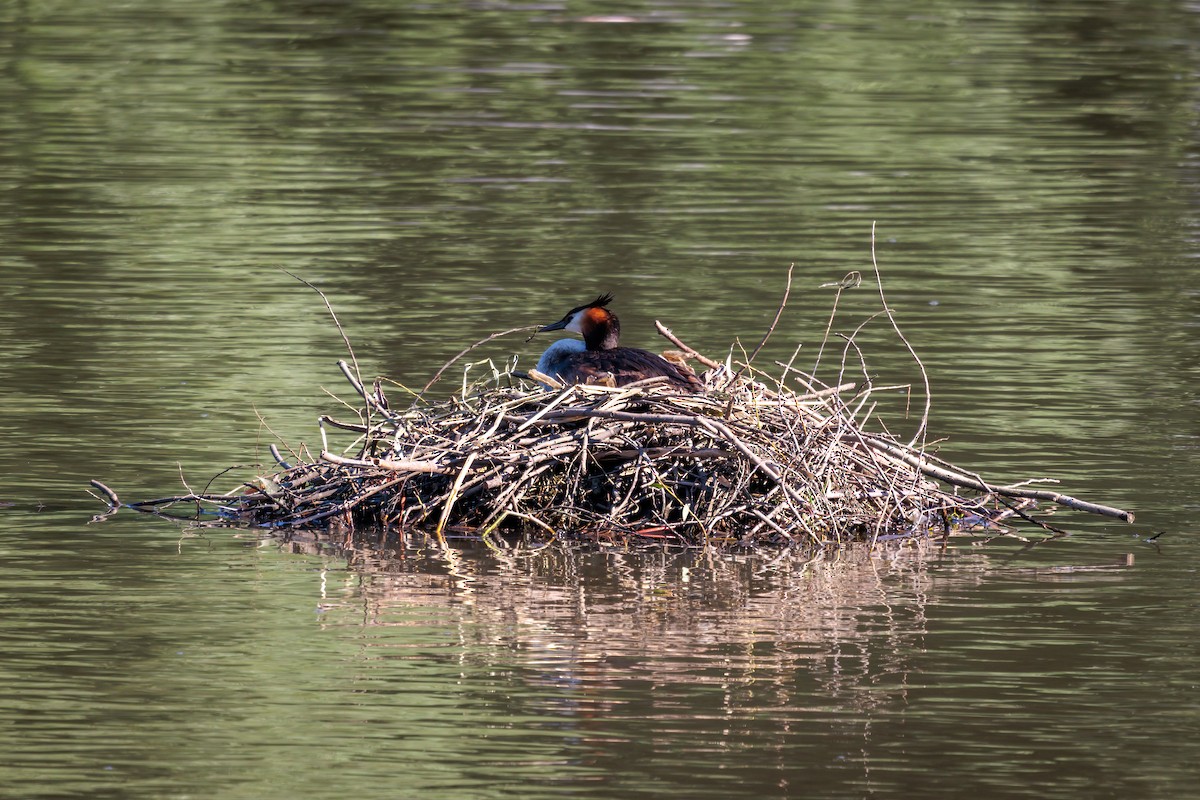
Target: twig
point(957, 479)
point(337, 323)
point(485, 340)
point(852, 280)
point(114, 502)
point(787, 291)
point(666, 333)
point(458, 482)
point(919, 436)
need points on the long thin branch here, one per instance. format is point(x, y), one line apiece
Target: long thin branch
point(919, 436)
point(666, 333)
point(787, 291)
point(958, 479)
point(437, 375)
point(338, 324)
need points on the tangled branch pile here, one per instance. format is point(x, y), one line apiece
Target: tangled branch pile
point(747, 463)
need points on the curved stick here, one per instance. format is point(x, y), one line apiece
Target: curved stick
point(484, 340)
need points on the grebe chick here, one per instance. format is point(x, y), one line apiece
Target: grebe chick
point(602, 357)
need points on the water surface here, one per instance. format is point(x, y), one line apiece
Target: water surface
point(447, 171)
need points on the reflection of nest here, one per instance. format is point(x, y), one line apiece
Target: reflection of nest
point(849, 617)
point(748, 462)
point(743, 625)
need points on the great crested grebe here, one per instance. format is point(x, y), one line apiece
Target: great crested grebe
point(600, 355)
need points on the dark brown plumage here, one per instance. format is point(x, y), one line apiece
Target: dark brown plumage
point(602, 358)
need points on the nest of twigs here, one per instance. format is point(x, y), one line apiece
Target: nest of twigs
point(750, 461)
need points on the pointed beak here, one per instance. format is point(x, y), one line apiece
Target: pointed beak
point(557, 326)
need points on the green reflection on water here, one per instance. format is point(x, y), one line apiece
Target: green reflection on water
point(446, 171)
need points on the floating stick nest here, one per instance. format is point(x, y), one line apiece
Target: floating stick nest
point(752, 461)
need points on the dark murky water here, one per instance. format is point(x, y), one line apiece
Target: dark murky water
point(445, 171)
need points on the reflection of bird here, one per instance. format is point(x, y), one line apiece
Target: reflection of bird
point(600, 358)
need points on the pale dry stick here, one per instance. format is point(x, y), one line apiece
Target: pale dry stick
point(485, 340)
point(800, 378)
point(852, 280)
point(467, 428)
point(863, 398)
point(517, 487)
point(191, 491)
point(892, 495)
point(690, 352)
point(635, 483)
point(337, 323)
point(919, 436)
point(568, 393)
point(821, 466)
point(924, 456)
point(576, 467)
point(1029, 482)
point(787, 291)
point(702, 453)
point(388, 465)
point(324, 436)
point(449, 504)
point(813, 392)
point(547, 444)
point(574, 412)
point(183, 480)
point(728, 512)
point(798, 447)
point(892, 490)
point(798, 519)
point(850, 342)
point(666, 333)
point(495, 477)
point(547, 380)
point(958, 479)
point(781, 383)
point(495, 425)
point(766, 519)
point(611, 399)
point(567, 449)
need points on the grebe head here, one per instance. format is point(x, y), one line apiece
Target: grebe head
point(556, 360)
point(597, 325)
